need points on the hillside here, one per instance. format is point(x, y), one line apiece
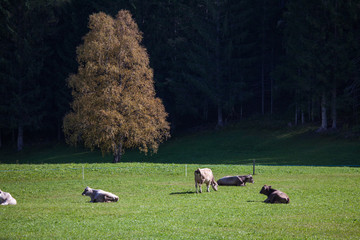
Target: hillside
point(231, 145)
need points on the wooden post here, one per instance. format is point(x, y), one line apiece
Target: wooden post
point(253, 166)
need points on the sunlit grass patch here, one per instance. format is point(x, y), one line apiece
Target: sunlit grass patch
point(157, 201)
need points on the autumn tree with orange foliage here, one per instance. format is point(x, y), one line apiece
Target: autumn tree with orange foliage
point(114, 104)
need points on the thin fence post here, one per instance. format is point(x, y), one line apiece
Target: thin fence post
point(83, 172)
point(253, 166)
point(185, 170)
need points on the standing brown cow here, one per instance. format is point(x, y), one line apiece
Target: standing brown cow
point(204, 175)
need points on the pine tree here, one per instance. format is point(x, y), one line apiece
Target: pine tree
point(206, 76)
point(114, 104)
point(23, 51)
point(319, 40)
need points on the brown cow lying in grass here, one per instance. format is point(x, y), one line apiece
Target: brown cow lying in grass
point(235, 180)
point(6, 199)
point(274, 196)
point(98, 195)
point(204, 175)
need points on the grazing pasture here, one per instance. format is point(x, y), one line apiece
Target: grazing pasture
point(157, 201)
point(157, 198)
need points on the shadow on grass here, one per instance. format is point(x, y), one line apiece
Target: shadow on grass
point(181, 193)
point(253, 201)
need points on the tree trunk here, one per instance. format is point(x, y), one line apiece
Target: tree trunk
point(272, 83)
point(241, 111)
point(205, 111)
point(296, 115)
point(323, 126)
point(59, 132)
point(333, 94)
point(217, 62)
point(13, 136)
point(312, 109)
point(262, 88)
point(309, 110)
point(272, 95)
point(20, 138)
point(333, 107)
point(355, 103)
point(302, 117)
point(263, 60)
point(117, 153)
point(220, 122)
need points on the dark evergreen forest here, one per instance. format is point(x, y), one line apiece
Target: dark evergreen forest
point(214, 61)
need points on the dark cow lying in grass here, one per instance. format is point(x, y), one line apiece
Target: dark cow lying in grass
point(274, 196)
point(98, 195)
point(235, 180)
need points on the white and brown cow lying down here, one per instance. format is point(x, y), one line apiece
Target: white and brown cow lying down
point(204, 175)
point(6, 199)
point(98, 195)
point(274, 196)
point(235, 180)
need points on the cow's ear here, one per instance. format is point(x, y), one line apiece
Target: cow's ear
point(269, 187)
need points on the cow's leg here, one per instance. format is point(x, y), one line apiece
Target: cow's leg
point(198, 187)
point(108, 199)
point(280, 200)
point(272, 198)
point(208, 186)
point(275, 198)
point(240, 182)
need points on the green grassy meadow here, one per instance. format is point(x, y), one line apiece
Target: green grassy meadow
point(234, 145)
point(157, 193)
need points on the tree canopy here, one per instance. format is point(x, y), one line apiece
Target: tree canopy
point(114, 104)
point(213, 61)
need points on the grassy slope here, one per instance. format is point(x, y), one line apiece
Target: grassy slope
point(158, 201)
point(228, 146)
point(240, 146)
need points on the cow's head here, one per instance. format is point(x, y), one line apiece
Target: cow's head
point(2, 197)
point(249, 179)
point(214, 185)
point(87, 192)
point(265, 190)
